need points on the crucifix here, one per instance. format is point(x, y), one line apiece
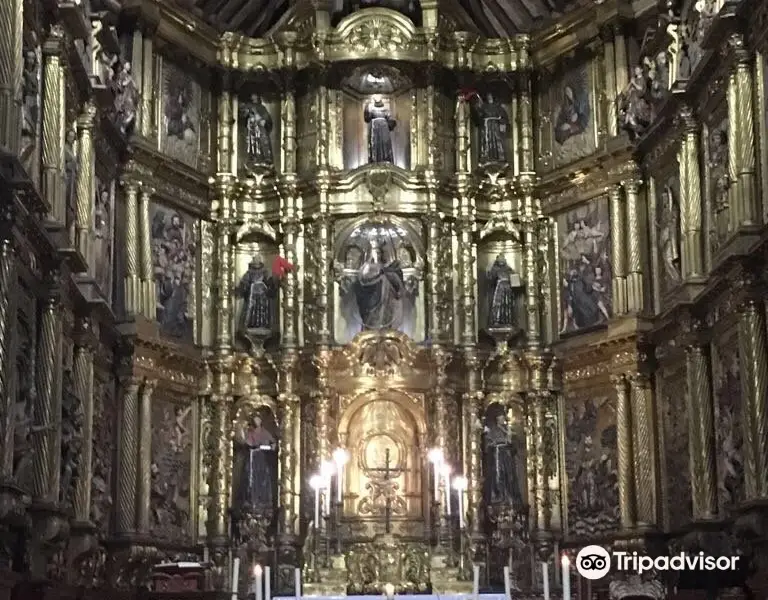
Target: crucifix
point(387, 486)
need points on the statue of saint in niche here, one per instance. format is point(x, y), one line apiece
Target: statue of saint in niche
point(257, 288)
point(380, 290)
point(492, 122)
point(502, 481)
point(258, 127)
point(255, 468)
point(504, 290)
point(380, 126)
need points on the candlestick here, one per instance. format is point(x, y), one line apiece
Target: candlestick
point(476, 581)
point(235, 576)
point(297, 582)
point(267, 583)
point(565, 561)
point(507, 583)
point(258, 583)
point(545, 579)
point(206, 555)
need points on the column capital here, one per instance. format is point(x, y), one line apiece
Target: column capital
point(148, 387)
point(130, 185)
point(54, 42)
point(687, 119)
point(87, 115)
point(614, 192)
point(86, 333)
point(147, 191)
point(739, 49)
point(632, 186)
point(618, 379)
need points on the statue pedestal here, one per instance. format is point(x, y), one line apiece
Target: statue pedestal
point(332, 580)
point(445, 579)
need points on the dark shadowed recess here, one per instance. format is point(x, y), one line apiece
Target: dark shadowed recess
point(494, 18)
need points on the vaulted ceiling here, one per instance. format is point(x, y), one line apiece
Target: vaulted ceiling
point(494, 18)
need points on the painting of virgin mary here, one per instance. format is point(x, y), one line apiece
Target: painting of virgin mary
point(573, 112)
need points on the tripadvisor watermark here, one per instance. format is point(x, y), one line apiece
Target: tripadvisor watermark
point(594, 562)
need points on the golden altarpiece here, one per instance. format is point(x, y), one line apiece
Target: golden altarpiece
point(380, 298)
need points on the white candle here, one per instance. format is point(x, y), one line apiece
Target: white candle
point(476, 582)
point(565, 561)
point(267, 584)
point(436, 474)
point(258, 582)
point(389, 591)
point(317, 507)
point(206, 555)
point(340, 484)
point(545, 579)
point(507, 583)
point(297, 582)
point(447, 500)
point(460, 494)
point(327, 497)
point(235, 576)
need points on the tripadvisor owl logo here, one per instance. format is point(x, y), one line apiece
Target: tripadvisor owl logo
point(594, 562)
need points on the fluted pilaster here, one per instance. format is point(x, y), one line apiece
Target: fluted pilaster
point(11, 56)
point(147, 121)
point(525, 114)
point(131, 280)
point(8, 297)
point(692, 248)
point(463, 161)
point(144, 464)
point(128, 454)
point(147, 292)
point(52, 182)
point(82, 369)
point(220, 449)
point(609, 58)
point(47, 441)
point(618, 250)
point(644, 446)
point(288, 147)
point(84, 187)
point(637, 233)
point(744, 206)
point(223, 189)
point(434, 327)
point(701, 433)
point(626, 468)
point(754, 368)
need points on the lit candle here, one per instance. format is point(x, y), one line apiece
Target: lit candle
point(545, 579)
point(446, 469)
point(316, 482)
point(476, 582)
point(235, 576)
point(267, 584)
point(340, 457)
point(389, 591)
point(565, 561)
point(507, 583)
point(326, 471)
point(460, 484)
point(258, 582)
point(206, 555)
point(297, 582)
point(436, 458)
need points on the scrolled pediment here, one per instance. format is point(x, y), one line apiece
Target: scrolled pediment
point(376, 32)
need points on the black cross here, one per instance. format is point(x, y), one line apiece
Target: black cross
point(387, 472)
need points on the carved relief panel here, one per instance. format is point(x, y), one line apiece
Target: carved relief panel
point(671, 392)
point(104, 435)
point(591, 460)
point(718, 181)
point(727, 388)
point(173, 427)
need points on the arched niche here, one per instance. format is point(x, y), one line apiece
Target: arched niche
point(383, 256)
point(500, 259)
point(504, 451)
point(255, 240)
